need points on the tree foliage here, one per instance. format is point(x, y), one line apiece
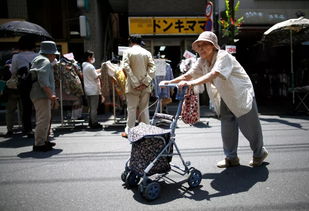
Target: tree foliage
point(230, 25)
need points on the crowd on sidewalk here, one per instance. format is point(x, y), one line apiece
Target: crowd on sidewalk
point(29, 80)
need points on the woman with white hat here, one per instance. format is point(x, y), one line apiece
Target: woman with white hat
point(230, 89)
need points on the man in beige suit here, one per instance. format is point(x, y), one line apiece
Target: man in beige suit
point(139, 67)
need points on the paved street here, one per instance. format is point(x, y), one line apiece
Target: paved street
point(83, 172)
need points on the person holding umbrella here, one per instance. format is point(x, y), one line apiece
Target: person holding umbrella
point(21, 63)
point(13, 28)
point(43, 94)
point(231, 90)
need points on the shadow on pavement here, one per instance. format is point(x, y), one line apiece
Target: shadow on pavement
point(16, 141)
point(116, 128)
point(171, 190)
point(202, 124)
point(58, 131)
point(237, 179)
point(283, 121)
point(229, 181)
point(39, 155)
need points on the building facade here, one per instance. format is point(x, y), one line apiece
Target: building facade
point(268, 66)
point(168, 28)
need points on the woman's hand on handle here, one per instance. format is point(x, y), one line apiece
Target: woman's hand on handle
point(184, 83)
point(164, 83)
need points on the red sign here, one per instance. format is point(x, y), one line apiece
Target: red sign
point(230, 48)
point(209, 18)
point(209, 9)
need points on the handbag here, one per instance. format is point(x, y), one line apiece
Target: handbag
point(190, 113)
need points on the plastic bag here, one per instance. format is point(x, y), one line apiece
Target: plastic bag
point(12, 83)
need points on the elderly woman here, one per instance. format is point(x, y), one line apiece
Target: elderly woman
point(231, 90)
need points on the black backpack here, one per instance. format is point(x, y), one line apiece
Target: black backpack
point(25, 78)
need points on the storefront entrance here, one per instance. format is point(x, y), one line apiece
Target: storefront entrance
point(172, 54)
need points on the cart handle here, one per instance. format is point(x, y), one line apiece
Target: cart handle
point(169, 85)
point(180, 91)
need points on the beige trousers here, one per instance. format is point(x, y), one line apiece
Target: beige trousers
point(43, 117)
point(137, 107)
point(11, 106)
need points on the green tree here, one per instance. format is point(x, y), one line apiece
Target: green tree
point(228, 23)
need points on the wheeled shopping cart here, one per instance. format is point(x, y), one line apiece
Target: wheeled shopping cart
point(152, 150)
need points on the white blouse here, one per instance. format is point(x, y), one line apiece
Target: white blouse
point(233, 85)
point(91, 79)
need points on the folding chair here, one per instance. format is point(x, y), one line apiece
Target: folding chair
point(301, 93)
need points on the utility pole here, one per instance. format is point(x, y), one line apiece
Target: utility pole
point(232, 14)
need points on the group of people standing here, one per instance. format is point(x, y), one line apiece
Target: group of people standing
point(228, 85)
point(36, 88)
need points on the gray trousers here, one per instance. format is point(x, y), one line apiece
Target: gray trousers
point(249, 125)
point(93, 103)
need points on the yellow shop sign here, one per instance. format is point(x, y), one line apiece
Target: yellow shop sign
point(166, 25)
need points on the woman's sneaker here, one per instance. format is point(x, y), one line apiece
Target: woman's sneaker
point(257, 161)
point(228, 162)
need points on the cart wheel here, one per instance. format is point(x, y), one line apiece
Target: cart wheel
point(124, 176)
point(132, 179)
point(152, 191)
point(195, 178)
point(142, 185)
point(141, 188)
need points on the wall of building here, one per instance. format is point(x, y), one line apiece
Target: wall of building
point(268, 11)
point(164, 7)
point(272, 4)
point(101, 38)
point(159, 8)
point(17, 9)
point(94, 42)
point(258, 15)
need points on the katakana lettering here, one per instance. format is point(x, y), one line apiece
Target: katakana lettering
point(191, 25)
point(155, 25)
point(168, 27)
point(179, 25)
point(202, 24)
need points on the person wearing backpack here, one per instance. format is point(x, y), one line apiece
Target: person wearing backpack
point(20, 67)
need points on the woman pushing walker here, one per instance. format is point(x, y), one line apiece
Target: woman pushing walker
point(231, 91)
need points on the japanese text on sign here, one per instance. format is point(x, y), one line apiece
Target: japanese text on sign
point(166, 25)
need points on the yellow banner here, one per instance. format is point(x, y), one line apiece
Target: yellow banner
point(166, 25)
